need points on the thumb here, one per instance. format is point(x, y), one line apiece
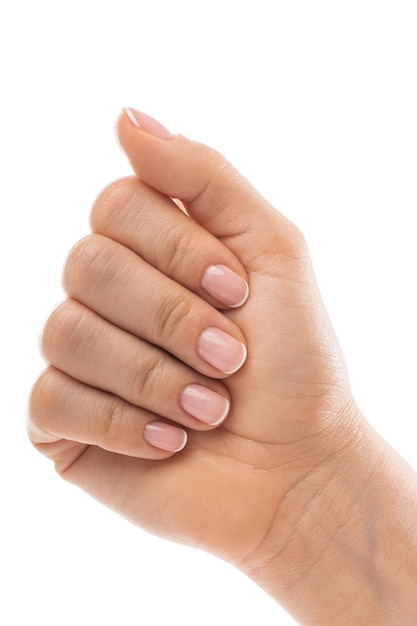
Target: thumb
point(215, 195)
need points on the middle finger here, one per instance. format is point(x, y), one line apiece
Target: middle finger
point(121, 287)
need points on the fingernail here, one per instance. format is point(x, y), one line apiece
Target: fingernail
point(204, 404)
point(165, 436)
point(221, 350)
point(225, 285)
point(147, 123)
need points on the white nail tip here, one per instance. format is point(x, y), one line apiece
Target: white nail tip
point(241, 362)
point(245, 297)
point(131, 116)
point(184, 442)
point(223, 417)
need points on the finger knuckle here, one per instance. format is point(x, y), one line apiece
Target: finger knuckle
point(179, 247)
point(219, 175)
point(111, 425)
point(172, 317)
point(42, 401)
point(87, 264)
point(62, 332)
point(148, 379)
point(110, 206)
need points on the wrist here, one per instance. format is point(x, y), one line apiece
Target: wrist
point(342, 547)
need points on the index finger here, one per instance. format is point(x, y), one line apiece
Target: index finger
point(153, 226)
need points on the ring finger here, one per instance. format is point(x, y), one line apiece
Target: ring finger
point(83, 345)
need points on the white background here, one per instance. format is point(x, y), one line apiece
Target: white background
point(316, 103)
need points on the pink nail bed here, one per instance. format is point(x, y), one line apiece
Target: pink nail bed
point(165, 436)
point(204, 404)
point(224, 352)
point(225, 285)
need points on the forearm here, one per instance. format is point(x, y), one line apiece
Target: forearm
point(343, 546)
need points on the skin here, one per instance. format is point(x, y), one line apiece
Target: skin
point(294, 487)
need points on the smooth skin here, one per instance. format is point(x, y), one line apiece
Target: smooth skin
point(293, 487)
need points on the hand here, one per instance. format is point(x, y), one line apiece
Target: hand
point(293, 486)
point(127, 342)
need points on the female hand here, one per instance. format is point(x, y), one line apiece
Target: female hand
point(133, 335)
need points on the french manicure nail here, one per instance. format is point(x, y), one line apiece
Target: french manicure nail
point(165, 436)
point(224, 352)
point(204, 404)
point(225, 285)
point(147, 123)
